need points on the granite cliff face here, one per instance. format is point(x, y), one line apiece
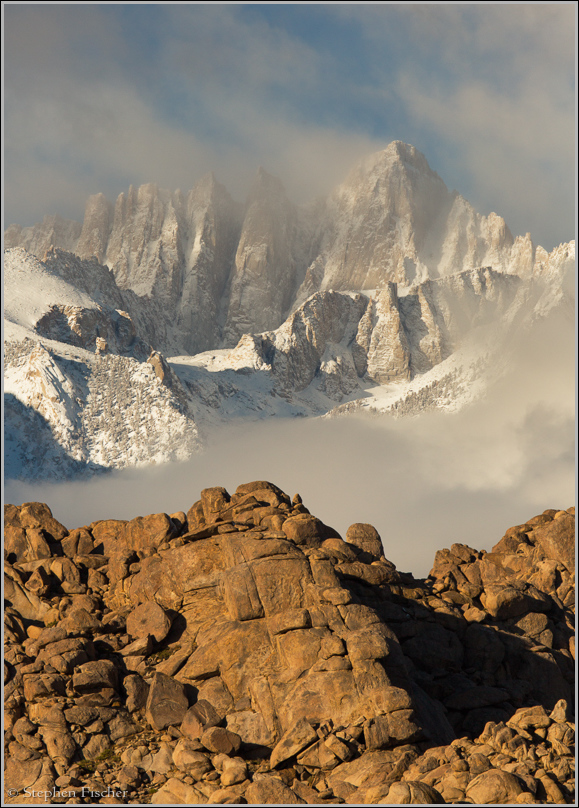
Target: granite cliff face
point(391, 296)
point(243, 652)
point(263, 277)
point(173, 250)
point(53, 231)
point(226, 271)
point(394, 220)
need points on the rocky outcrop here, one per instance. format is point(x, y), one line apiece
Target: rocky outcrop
point(243, 652)
point(338, 339)
point(101, 330)
point(381, 348)
point(87, 274)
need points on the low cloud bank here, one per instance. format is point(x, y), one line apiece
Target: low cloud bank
point(423, 482)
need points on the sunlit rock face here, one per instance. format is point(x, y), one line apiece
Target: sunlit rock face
point(178, 251)
point(213, 222)
point(254, 655)
point(143, 248)
point(383, 222)
point(394, 220)
point(96, 228)
point(53, 231)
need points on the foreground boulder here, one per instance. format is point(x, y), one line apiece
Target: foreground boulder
point(244, 653)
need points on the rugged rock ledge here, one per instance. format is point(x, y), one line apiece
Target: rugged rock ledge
point(245, 653)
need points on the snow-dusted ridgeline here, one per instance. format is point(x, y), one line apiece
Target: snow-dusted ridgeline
point(383, 298)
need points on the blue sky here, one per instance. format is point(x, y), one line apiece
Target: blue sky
point(99, 96)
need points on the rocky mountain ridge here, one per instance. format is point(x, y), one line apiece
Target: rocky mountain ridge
point(83, 385)
point(192, 310)
point(222, 270)
point(244, 653)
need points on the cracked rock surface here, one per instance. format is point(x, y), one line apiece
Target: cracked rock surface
point(243, 652)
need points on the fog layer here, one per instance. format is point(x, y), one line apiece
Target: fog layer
point(423, 482)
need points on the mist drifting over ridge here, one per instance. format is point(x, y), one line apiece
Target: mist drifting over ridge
point(486, 92)
point(424, 482)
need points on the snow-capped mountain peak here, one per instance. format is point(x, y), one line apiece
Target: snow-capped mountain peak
point(369, 299)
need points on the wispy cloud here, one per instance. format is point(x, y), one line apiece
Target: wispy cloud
point(217, 99)
point(421, 496)
point(492, 88)
point(99, 96)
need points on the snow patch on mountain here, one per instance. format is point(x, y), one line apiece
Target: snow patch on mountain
point(31, 289)
point(92, 412)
